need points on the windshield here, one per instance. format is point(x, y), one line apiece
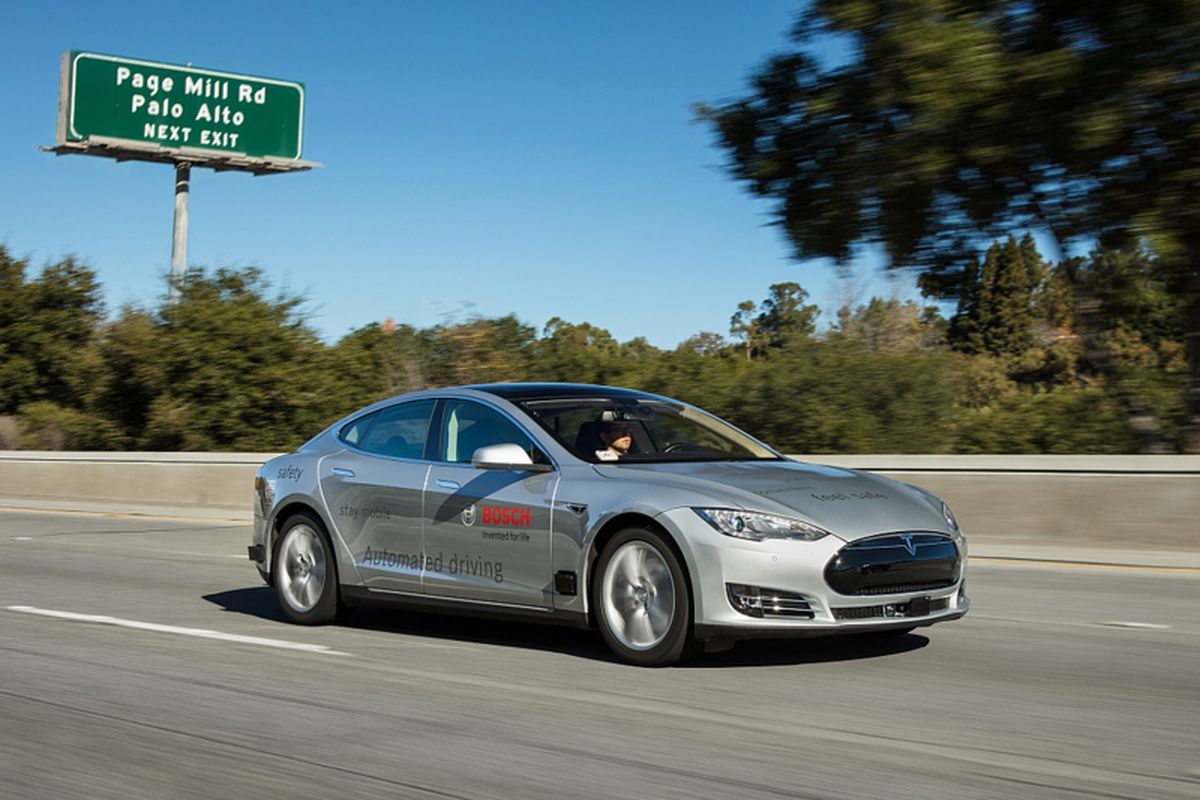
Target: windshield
point(605, 430)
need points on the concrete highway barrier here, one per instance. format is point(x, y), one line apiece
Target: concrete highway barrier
point(1029, 505)
point(183, 484)
point(1013, 504)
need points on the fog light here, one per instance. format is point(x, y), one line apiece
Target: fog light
point(745, 599)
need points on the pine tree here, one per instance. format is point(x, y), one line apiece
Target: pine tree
point(998, 306)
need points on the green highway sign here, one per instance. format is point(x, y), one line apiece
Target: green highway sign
point(108, 100)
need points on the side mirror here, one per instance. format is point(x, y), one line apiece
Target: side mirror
point(506, 456)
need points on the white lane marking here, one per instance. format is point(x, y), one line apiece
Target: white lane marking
point(22, 538)
point(141, 552)
point(1071, 624)
point(156, 628)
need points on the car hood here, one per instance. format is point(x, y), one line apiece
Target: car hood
point(849, 503)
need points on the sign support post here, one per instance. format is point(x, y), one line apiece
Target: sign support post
point(183, 176)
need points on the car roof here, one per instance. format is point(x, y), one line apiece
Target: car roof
point(516, 392)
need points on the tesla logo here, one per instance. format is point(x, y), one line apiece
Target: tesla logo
point(468, 515)
point(908, 543)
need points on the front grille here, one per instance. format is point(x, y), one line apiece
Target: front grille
point(902, 588)
point(888, 611)
point(894, 563)
point(858, 612)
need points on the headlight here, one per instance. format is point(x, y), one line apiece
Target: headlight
point(757, 526)
point(956, 533)
point(949, 515)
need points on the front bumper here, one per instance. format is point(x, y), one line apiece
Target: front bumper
point(794, 571)
point(705, 632)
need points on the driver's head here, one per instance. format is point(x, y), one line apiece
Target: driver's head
point(616, 435)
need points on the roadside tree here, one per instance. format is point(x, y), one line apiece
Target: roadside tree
point(947, 124)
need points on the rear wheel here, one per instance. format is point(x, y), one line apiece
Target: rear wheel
point(641, 599)
point(304, 573)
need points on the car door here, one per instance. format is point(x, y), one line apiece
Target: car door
point(374, 493)
point(487, 531)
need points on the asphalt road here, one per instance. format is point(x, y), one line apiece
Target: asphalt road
point(1061, 683)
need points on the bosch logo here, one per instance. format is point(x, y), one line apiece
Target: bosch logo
point(468, 515)
point(508, 516)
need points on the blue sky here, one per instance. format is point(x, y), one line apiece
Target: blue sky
point(536, 158)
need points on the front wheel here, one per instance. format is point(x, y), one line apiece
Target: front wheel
point(641, 599)
point(304, 574)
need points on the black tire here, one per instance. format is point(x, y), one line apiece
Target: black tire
point(626, 617)
point(266, 576)
point(304, 570)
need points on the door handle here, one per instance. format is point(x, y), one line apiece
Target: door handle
point(342, 472)
point(445, 484)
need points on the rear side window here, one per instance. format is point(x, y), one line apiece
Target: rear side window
point(353, 433)
point(398, 431)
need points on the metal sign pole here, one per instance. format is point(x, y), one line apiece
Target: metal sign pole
point(183, 176)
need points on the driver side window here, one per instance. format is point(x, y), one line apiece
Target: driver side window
point(468, 426)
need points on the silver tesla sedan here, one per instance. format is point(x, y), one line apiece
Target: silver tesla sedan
point(647, 518)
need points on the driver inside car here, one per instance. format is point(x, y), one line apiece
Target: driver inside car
point(615, 437)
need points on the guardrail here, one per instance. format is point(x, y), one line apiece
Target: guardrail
point(1013, 503)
